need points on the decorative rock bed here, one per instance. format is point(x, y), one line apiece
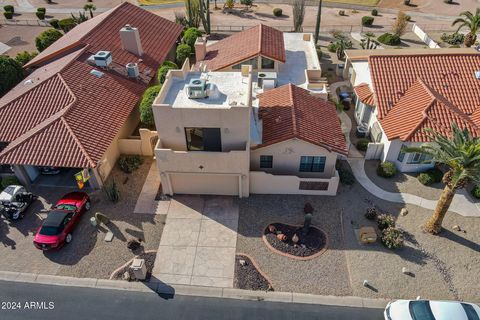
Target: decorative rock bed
point(149, 257)
point(308, 246)
point(248, 276)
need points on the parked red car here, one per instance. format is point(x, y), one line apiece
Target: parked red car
point(57, 228)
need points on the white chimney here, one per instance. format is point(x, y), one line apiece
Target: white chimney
point(200, 48)
point(130, 38)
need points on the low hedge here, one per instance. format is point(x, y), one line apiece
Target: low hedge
point(362, 144)
point(54, 23)
point(277, 12)
point(374, 12)
point(390, 39)
point(40, 15)
point(367, 21)
point(386, 169)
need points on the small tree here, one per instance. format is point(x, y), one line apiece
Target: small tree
point(146, 112)
point(11, 73)
point(23, 57)
point(183, 52)
point(90, 7)
point(190, 36)
point(46, 38)
point(399, 26)
point(472, 23)
point(163, 70)
point(298, 15)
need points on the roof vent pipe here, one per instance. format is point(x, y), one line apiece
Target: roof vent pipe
point(130, 38)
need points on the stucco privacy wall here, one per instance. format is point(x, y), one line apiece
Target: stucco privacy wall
point(141, 145)
point(265, 183)
point(286, 158)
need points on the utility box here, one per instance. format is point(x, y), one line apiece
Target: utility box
point(139, 269)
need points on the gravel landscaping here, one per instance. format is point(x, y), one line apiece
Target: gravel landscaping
point(441, 267)
point(88, 255)
point(247, 277)
point(307, 244)
point(403, 182)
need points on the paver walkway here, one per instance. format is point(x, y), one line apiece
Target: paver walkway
point(198, 242)
point(461, 203)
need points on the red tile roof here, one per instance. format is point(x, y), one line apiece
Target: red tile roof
point(431, 90)
point(364, 94)
point(292, 112)
point(259, 40)
point(68, 117)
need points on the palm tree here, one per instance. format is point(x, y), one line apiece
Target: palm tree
point(319, 17)
point(90, 7)
point(461, 154)
point(470, 21)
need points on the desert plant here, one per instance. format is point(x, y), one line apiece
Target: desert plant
point(362, 144)
point(9, 8)
point(308, 208)
point(371, 213)
point(197, 11)
point(229, 4)
point(23, 57)
point(8, 14)
point(247, 3)
point(341, 12)
point(111, 191)
point(425, 178)
point(11, 73)
point(317, 23)
point(306, 223)
point(476, 191)
point(183, 52)
point(67, 24)
point(367, 21)
point(346, 176)
point(374, 12)
point(471, 22)
point(368, 43)
point(90, 7)
point(40, 15)
point(277, 12)
point(460, 152)
point(82, 17)
point(392, 238)
point(385, 221)
point(163, 70)
point(180, 18)
point(389, 39)
point(190, 36)
point(400, 24)
point(298, 15)
point(453, 39)
point(146, 112)
point(130, 163)
point(386, 169)
point(406, 2)
point(54, 23)
point(46, 38)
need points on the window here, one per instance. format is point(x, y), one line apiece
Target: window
point(268, 63)
point(251, 62)
point(420, 310)
point(471, 313)
point(266, 161)
point(311, 185)
point(203, 139)
point(417, 157)
point(401, 154)
point(312, 164)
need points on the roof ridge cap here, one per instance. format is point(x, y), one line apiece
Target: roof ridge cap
point(77, 141)
point(294, 118)
point(260, 39)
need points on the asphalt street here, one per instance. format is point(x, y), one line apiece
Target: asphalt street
point(35, 301)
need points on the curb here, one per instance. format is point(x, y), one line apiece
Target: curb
point(162, 288)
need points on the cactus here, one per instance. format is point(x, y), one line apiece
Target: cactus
point(112, 193)
point(307, 223)
point(368, 44)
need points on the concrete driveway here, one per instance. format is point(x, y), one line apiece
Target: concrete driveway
point(198, 241)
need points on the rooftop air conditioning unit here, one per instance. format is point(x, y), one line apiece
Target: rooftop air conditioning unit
point(132, 70)
point(103, 59)
point(197, 89)
point(267, 76)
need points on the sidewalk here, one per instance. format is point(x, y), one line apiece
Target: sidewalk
point(461, 204)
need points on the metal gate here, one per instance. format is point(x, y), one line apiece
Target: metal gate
point(374, 151)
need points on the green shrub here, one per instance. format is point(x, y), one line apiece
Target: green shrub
point(8, 181)
point(362, 144)
point(247, 3)
point(41, 10)
point(111, 192)
point(374, 12)
point(319, 53)
point(46, 38)
point(146, 113)
point(453, 39)
point(23, 57)
point(183, 53)
point(190, 36)
point(386, 169)
point(8, 14)
point(425, 179)
point(170, 64)
point(392, 238)
point(54, 23)
point(162, 73)
point(67, 24)
point(389, 39)
point(385, 221)
point(277, 12)
point(437, 174)
point(332, 47)
point(40, 15)
point(346, 176)
point(11, 73)
point(130, 163)
point(476, 191)
point(341, 12)
point(367, 21)
point(9, 8)
point(371, 213)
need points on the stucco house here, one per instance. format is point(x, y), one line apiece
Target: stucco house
point(399, 93)
point(82, 93)
point(220, 133)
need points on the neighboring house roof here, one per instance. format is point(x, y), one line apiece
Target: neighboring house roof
point(413, 92)
point(259, 40)
point(364, 94)
point(292, 112)
point(63, 115)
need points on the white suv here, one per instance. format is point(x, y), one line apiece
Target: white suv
point(431, 310)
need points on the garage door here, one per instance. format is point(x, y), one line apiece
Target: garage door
point(204, 184)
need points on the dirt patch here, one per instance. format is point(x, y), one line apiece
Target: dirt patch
point(248, 277)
